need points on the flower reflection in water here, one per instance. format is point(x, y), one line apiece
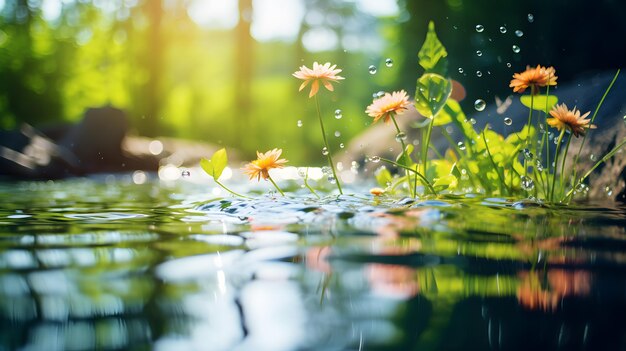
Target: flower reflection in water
point(538, 291)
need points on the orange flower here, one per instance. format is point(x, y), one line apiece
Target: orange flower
point(533, 77)
point(388, 105)
point(264, 162)
point(320, 73)
point(570, 120)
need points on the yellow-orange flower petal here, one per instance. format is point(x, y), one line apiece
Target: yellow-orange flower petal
point(569, 119)
point(264, 162)
point(533, 77)
point(325, 74)
point(388, 105)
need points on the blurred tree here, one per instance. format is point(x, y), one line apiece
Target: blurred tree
point(243, 68)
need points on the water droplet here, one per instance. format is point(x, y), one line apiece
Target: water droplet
point(389, 62)
point(531, 18)
point(479, 74)
point(516, 49)
point(608, 190)
point(508, 121)
point(479, 104)
point(592, 157)
point(479, 53)
point(324, 151)
point(480, 28)
point(374, 95)
point(400, 137)
point(380, 94)
point(302, 172)
point(503, 29)
point(337, 134)
point(527, 183)
point(538, 165)
point(185, 173)
point(372, 69)
point(327, 170)
point(299, 124)
point(331, 179)
point(338, 114)
point(461, 71)
point(582, 188)
point(461, 145)
point(472, 121)
point(527, 154)
point(519, 33)
point(508, 64)
point(341, 146)
point(374, 159)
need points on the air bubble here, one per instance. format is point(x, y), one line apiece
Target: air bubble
point(337, 134)
point(327, 171)
point(592, 157)
point(338, 114)
point(324, 151)
point(479, 104)
point(608, 190)
point(341, 146)
point(508, 121)
point(480, 28)
point(372, 69)
point(479, 53)
point(582, 188)
point(380, 94)
point(516, 49)
point(461, 71)
point(299, 124)
point(503, 29)
point(472, 121)
point(461, 145)
point(519, 33)
point(531, 18)
point(479, 74)
point(508, 64)
point(527, 154)
point(400, 137)
point(538, 165)
point(374, 159)
point(331, 179)
point(389, 62)
point(185, 173)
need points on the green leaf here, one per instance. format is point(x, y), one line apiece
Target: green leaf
point(383, 177)
point(432, 55)
point(447, 181)
point(432, 93)
point(215, 166)
point(539, 102)
point(404, 158)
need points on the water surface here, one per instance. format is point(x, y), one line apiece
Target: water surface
point(103, 263)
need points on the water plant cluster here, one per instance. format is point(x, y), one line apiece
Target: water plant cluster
point(523, 164)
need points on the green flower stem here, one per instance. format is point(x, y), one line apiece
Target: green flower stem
point(610, 154)
point(426, 182)
point(330, 159)
point(404, 154)
point(230, 191)
point(426, 142)
point(556, 162)
point(306, 183)
point(275, 185)
point(530, 119)
point(562, 176)
point(580, 149)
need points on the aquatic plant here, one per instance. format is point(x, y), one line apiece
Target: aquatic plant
point(481, 162)
point(262, 165)
point(324, 74)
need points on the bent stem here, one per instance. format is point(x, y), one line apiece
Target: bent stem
point(330, 159)
point(562, 176)
point(306, 183)
point(530, 119)
point(404, 154)
point(610, 154)
point(595, 113)
point(418, 174)
point(556, 162)
point(230, 191)
point(275, 185)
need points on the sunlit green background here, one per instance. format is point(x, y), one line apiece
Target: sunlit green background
point(220, 70)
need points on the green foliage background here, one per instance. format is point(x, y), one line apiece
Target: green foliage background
point(175, 78)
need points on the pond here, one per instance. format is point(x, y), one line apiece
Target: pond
point(104, 263)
